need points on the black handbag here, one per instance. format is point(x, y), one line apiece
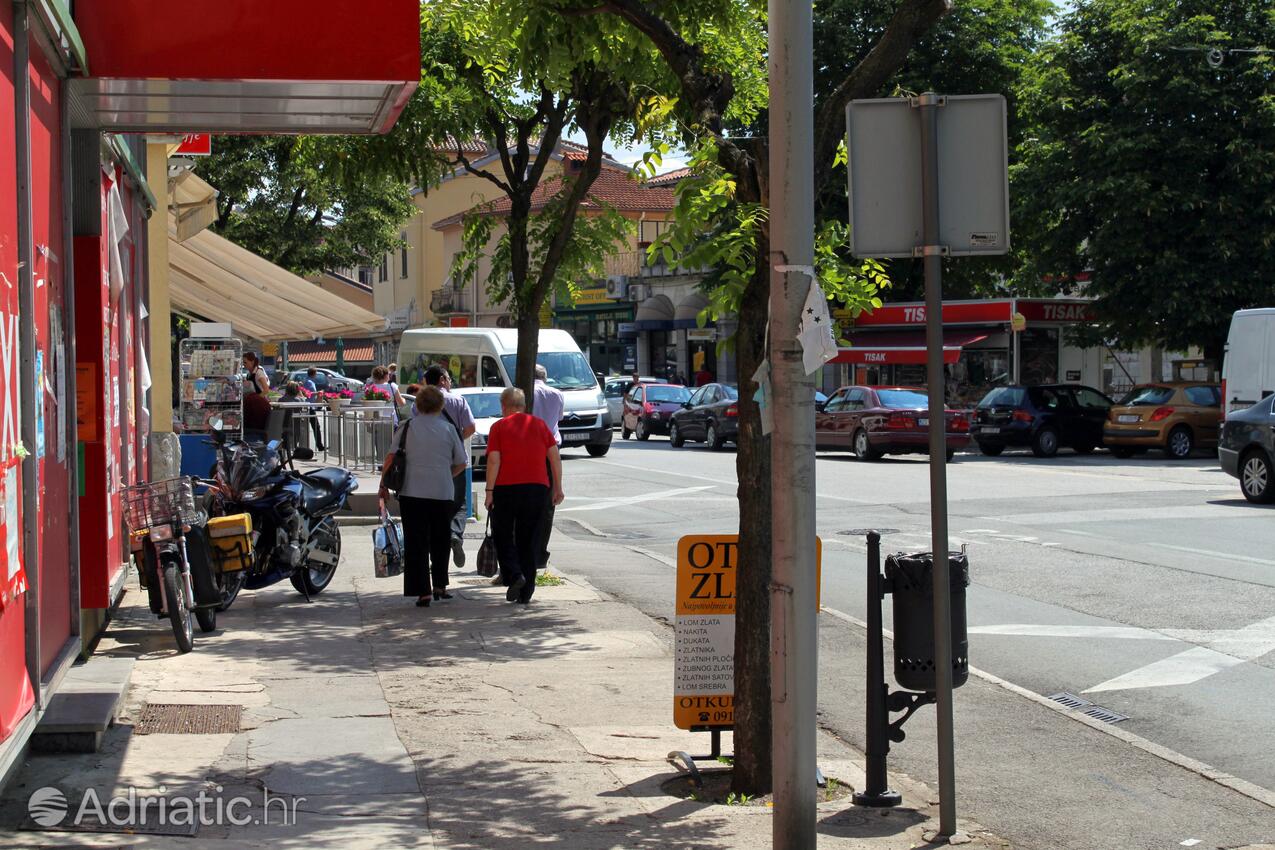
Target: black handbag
point(488, 563)
point(396, 473)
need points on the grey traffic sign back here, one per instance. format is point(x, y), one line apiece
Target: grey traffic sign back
point(883, 137)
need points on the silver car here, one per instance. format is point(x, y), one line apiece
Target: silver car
point(484, 404)
point(614, 389)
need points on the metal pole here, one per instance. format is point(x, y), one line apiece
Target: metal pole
point(794, 626)
point(876, 792)
point(929, 104)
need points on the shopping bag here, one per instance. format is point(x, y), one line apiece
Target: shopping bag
point(488, 563)
point(387, 546)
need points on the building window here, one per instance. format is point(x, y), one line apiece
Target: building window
point(385, 269)
point(402, 256)
point(365, 275)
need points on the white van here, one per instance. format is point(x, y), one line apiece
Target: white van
point(1248, 370)
point(488, 357)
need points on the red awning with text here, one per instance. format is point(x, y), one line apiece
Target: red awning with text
point(903, 347)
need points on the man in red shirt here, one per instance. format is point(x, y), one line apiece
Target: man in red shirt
point(523, 467)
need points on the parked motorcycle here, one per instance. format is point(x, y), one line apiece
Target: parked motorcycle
point(166, 530)
point(294, 530)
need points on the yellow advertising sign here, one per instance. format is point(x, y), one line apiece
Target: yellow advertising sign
point(592, 296)
point(704, 630)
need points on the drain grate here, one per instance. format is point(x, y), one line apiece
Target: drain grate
point(1087, 708)
point(1106, 715)
point(179, 719)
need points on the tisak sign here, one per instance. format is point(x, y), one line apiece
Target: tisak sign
point(704, 631)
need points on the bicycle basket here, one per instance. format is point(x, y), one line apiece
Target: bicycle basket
point(159, 502)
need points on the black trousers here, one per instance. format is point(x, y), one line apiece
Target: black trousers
point(515, 517)
point(427, 543)
point(460, 516)
point(546, 522)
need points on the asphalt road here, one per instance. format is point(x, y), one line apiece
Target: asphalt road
point(1145, 586)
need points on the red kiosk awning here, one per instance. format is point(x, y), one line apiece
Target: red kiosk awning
point(903, 347)
point(245, 66)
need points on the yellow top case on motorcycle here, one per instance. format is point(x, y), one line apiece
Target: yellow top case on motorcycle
point(231, 540)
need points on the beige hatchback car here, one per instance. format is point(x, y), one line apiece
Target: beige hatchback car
point(1175, 417)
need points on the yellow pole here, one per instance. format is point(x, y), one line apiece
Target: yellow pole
point(159, 305)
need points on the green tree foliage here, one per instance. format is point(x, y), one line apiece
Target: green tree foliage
point(521, 80)
point(1150, 167)
point(291, 206)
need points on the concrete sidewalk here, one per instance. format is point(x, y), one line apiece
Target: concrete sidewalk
point(471, 724)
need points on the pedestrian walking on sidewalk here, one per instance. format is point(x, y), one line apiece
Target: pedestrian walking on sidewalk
point(524, 471)
point(456, 411)
point(547, 405)
point(427, 501)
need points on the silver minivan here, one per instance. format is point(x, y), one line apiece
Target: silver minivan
point(488, 357)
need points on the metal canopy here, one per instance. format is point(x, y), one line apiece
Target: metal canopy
point(194, 106)
point(212, 277)
point(244, 66)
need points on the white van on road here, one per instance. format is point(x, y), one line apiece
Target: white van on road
point(1248, 370)
point(488, 357)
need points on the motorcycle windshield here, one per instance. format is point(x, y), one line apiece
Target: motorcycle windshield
point(250, 466)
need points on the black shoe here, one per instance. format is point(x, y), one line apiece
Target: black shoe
point(442, 594)
point(515, 589)
point(458, 552)
point(423, 602)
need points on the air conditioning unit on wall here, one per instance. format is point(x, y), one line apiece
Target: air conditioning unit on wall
point(639, 291)
point(617, 287)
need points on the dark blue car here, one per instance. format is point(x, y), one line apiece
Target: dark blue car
point(1042, 418)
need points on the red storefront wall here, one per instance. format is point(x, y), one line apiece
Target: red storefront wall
point(16, 694)
point(102, 551)
point(53, 450)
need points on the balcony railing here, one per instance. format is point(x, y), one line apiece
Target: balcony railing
point(635, 264)
point(448, 300)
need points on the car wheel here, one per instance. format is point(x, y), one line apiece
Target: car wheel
point(1084, 448)
point(641, 432)
point(862, 448)
point(675, 436)
point(598, 451)
point(1255, 477)
point(990, 449)
point(1123, 452)
point(714, 440)
point(951, 453)
point(1045, 443)
point(1180, 443)
point(625, 433)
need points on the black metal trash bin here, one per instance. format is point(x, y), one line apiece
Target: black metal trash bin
point(911, 580)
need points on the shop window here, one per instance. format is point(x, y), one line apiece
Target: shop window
point(1038, 348)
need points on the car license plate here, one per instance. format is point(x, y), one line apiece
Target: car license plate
point(1127, 417)
point(923, 422)
point(575, 438)
point(991, 429)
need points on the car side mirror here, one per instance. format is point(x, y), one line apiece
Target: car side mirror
point(686, 405)
point(820, 405)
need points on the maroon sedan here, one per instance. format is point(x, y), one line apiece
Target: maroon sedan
point(648, 409)
point(876, 421)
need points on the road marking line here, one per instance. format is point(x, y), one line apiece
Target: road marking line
point(1225, 556)
point(1206, 771)
point(633, 500)
point(1041, 630)
point(1185, 668)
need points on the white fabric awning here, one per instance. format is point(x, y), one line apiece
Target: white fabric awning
point(211, 276)
point(193, 202)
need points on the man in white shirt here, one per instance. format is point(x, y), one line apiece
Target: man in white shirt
point(547, 406)
point(456, 410)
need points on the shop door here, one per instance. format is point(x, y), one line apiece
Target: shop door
point(52, 448)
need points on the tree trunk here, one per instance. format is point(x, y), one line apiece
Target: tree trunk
point(752, 774)
point(528, 351)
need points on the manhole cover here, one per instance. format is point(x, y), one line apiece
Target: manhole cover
point(860, 532)
point(178, 719)
point(1087, 708)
